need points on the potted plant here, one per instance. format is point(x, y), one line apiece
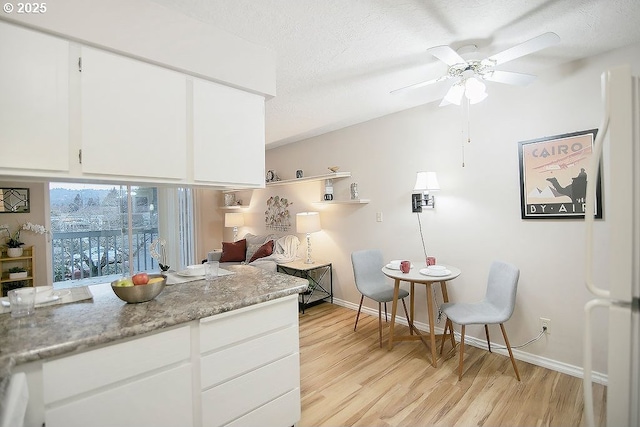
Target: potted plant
point(13, 243)
point(17, 273)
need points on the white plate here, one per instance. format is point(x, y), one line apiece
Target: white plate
point(191, 272)
point(44, 296)
point(390, 267)
point(437, 267)
point(435, 273)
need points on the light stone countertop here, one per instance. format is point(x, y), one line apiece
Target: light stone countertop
point(57, 330)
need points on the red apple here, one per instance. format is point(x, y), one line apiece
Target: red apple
point(140, 279)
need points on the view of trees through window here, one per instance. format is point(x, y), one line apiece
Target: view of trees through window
point(102, 230)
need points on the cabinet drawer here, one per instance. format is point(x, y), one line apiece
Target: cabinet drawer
point(244, 394)
point(283, 411)
point(246, 356)
point(93, 369)
point(162, 399)
point(239, 325)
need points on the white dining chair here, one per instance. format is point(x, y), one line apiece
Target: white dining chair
point(372, 283)
point(496, 307)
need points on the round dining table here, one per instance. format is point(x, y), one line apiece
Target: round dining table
point(418, 274)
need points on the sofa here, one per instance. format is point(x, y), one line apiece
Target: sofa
point(264, 251)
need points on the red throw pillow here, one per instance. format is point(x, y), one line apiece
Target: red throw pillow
point(263, 251)
point(233, 252)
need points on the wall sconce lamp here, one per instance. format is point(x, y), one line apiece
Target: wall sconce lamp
point(421, 197)
point(235, 220)
point(308, 222)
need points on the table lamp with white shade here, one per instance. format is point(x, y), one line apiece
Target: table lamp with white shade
point(235, 220)
point(307, 223)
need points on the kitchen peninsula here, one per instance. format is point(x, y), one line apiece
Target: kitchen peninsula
point(200, 354)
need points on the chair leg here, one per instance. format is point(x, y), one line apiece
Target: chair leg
point(486, 331)
point(406, 313)
point(358, 315)
point(380, 323)
point(461, 354)
point(444, 334)
point(447, 325)
point(513, 361)
point(386, 316)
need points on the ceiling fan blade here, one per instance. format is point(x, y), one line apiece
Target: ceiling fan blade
point(446, 55)
point(510, 78)
point(417, 85)
point(533, 45)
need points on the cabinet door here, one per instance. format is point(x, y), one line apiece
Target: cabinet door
point(34, 100)
point(162, 399)
point(133, 118)
point(228, 135)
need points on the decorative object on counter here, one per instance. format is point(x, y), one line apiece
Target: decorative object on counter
point(160, 254)
point(17, 273)
point(333, 169)
point(425, 182)
point(230, 199)
point(328, 189)
point(277, 215)
point(13, 243)
point(235, 220)
point(307, 223)
point(354, 191)
point(14, 200)
point(140, 293)
point(299, 173)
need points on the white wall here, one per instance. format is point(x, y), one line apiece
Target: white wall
point(477, 216)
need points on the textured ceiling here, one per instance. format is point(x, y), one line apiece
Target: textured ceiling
point(337, 60)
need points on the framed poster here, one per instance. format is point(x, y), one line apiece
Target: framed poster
point(553, 176)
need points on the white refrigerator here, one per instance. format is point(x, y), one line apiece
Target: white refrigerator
point(620, 127)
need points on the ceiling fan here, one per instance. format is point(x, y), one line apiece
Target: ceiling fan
point(469, 75)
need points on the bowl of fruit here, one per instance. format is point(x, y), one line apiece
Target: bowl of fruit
point(140, 287)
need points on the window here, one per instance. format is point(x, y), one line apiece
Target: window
point(100, 232)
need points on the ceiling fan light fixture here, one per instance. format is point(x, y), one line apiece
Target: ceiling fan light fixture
point(454, 96)
point(474, 90)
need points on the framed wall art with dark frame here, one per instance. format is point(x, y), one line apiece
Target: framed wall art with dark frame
point(14, 200)
point(553, 176)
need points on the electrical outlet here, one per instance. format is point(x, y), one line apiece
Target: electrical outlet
point(545, 323)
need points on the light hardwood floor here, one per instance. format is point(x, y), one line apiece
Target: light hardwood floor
point(348, 380)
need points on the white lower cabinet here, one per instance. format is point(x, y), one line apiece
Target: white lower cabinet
point(250, 366)
point(142, 382)
point(239, 368)
point(162, 399)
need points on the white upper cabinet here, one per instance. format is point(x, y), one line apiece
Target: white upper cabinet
point(133, 118)
point(34, 100)
point(228, 135)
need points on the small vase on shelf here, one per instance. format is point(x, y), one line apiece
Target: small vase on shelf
point(14, 252)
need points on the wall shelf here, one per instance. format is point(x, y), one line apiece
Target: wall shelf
point(234, 207)
point(334, 175)
point(343, 202)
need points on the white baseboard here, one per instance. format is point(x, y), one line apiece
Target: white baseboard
point(565, 368)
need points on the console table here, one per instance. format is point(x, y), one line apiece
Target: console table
point(315, 273)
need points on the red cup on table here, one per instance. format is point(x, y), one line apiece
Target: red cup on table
point(431, 260)
point(405, 266)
